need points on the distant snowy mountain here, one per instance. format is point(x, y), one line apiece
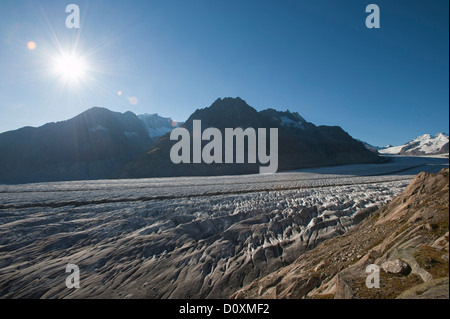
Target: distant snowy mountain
point(422, 145)
point(157, 126)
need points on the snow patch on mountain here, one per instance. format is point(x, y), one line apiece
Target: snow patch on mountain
point(391, 150)
point(131, 134)
point(286, 121)
point(99, 128)
point(156, 125)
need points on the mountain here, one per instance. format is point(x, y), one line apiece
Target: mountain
point(101, 144)
point(157, 126)
point(300, 143)
point(370, 147)
point(92, 145)
point(423, 145)
point(408, 239)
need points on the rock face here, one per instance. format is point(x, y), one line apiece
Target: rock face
point(408, 237)
point(300, 143)
point(91, 145)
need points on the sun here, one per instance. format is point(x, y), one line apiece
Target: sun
point(70, 67)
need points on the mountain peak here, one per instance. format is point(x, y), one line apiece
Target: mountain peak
point(441, 134)
point(97, 109)
point(230, 102)
point(226, 112)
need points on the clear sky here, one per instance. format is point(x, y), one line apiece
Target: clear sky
point(384, 86)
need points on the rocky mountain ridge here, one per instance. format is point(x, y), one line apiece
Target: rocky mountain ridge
point(101, 144)
point(300, 144)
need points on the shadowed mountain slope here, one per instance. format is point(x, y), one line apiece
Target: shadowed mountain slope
point(301, 144)
point(91, 145)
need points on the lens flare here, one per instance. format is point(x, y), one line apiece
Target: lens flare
point(133, 100)
point(70, 67)
point(31, 45)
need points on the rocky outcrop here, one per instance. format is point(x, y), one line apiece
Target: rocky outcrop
point(407, 238)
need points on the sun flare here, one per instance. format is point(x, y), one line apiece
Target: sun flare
point(70, 67)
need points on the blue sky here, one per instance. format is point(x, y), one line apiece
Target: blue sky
point(384, 86)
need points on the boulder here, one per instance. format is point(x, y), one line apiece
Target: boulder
point(397, 267)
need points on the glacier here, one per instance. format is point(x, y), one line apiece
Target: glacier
point(186, 237)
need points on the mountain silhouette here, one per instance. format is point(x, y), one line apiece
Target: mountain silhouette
point(92, 145)
point(100, 143)
point(301, 144)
